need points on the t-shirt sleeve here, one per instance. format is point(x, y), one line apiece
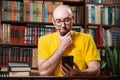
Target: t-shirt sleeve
point(43, 49)
point(91, 50)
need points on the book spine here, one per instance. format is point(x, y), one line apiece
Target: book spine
point(110, 15)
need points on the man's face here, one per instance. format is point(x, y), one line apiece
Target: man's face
point(62, 22)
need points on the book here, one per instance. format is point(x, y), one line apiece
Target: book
point(34, 72)
point(17, 64)
point(115, 33)
point(19, 69)
point(20, 74)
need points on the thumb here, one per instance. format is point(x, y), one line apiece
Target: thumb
point(75, 66)
point(69, 33)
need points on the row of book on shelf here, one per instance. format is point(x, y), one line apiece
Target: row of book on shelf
point(104, 1)
point(30, 34)
point(12, 59)
point(23, 69)
point(35, 11)
point(26, 34)
point(111, 35)
point(100, 14)
point(18, 69)
point(20, 54)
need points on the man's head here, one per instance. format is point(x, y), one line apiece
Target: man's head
point(62, 19)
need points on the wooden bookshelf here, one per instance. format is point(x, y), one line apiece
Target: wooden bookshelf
point(108, 19)
point(103, 14)
point(22, 22)
point(10, 49)
point(29, 22)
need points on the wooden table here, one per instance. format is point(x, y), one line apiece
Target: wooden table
point(62, 78)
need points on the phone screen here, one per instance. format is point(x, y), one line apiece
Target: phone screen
point(68, 60)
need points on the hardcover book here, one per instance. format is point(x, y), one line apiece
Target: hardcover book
point(20, 74)
point(17, 64)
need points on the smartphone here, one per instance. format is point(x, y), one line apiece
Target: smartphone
point(68, 60)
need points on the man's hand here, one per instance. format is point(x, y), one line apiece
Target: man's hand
point(65, 41)
point(69, 71)
point(93, 69)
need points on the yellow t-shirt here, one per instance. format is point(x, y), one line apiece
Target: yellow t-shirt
point(83, 49)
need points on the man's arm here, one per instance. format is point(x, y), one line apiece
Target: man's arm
point(47, 66)
point(93, 68)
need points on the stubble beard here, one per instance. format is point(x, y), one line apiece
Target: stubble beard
point(64, 33)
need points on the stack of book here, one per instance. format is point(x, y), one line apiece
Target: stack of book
point(17, 69)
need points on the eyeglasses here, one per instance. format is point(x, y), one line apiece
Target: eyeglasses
point(65, 21)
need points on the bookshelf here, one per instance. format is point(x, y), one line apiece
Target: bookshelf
point(103, 14)
point(22, 22)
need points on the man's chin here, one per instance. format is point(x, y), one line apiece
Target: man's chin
point(63, 33)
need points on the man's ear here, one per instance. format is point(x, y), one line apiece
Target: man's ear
point(53, 21)
point(73, 18)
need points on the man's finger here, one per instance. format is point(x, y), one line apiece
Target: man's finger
point(75, 66)
point(69, 33)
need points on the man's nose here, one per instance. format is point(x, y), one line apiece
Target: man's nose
point(63, 24)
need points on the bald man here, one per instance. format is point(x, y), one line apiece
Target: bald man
point(65, 41)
